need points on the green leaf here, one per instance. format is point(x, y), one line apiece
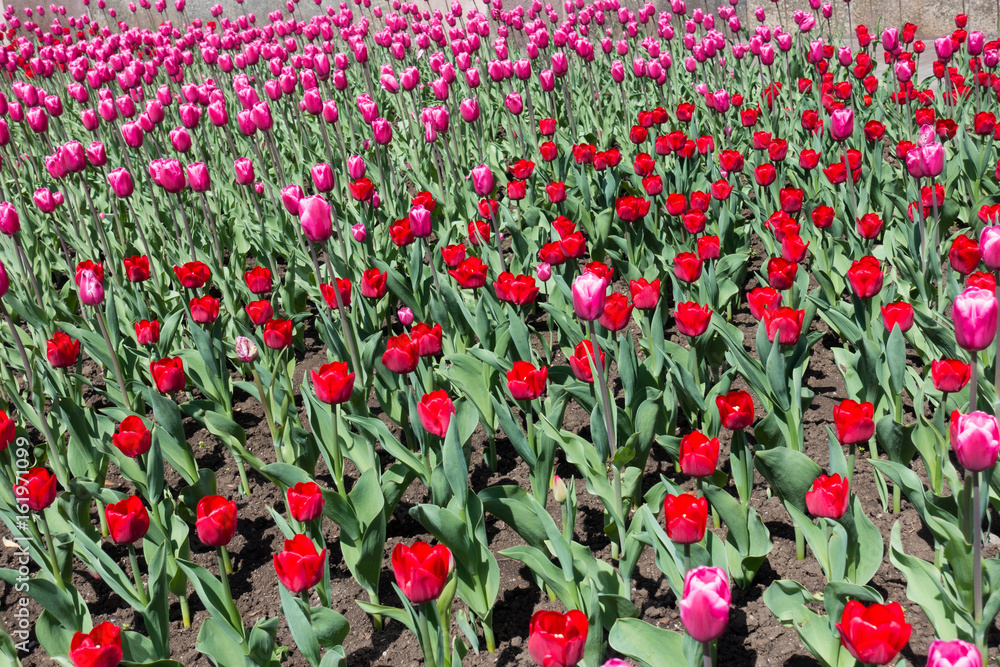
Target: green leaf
point(212, 594)
point(649, 645)
point(301, 626)
point(790, 474)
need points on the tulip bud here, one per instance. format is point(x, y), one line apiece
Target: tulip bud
point(246, 350)
point(559, 492)
point(405, 315)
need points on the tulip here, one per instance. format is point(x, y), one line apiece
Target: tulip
point(989, 244)
point(687, 267)
point(589, 296)
point(333, 384)
point(556, 639)
point(736, 410)
point(259, 312)
point(278, 333)
point(427, 339)
point(699, 455)
point(314, 216)
point(581, 360)
point(435, 410)
point(128, 520)
point(198, 177)
point(964, 254)
point(841, 124)
point(853, 422)
point(374, 284)
point(91, 288)
point(305, 501)
point(101, 647)
point(482, 180)
point(950, 375)
point(168, 374)
point(121, 183)
point(36, 489)
point(299, 567)
point(645, 294)
point(244, 171)
point(421, 570)
point(875, 634)
point(291, 195)
point(899, 314)
point(975, 317)
point(215, 520)
point(783, 323)
point(10, 221)
point(61, 350)
point(685, 517)
point(401, 354)
point(781, 273)
point(865, 277)
point(829, 496)
point(954, 653)
point(975, 437)
point(7, 430)
point(470, 273)
point(525, 382)
point(246, 350)
point(692, 319)
point(617, 312)
point(205, 309)
point(133, 438)
point(705, 603)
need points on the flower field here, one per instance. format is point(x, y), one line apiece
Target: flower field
point(590, 334)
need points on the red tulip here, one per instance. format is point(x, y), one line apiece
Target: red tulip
point(278, 334)
point(781, 273)
point(61, 350)
point(479, 232)
point(731, 161)
point(790, 199)
point(765, 174)
point(215, 520)
point(7, 430)
point(453, 255)
point(645, 294)
point(204, 310)
point(401, 233)
point(36, 490)
point(950, 375)
point(865, 277)
point(400, 355)
point(525, 382)
point(101, 647)
point(869, 226)
point(259, 312)
point(631, 208)
point(305, 501)
point(374, 283)
point(686, 518)
point(193, 275)
point(617, 312)
point(829, 496)
point(332, 383)
point(694, 221)
point(330, 296)
point(793, 249)
point(692, 318)
point(168, 374)
point(783, 323)
point(422, 570)
point(128, 520)
point(822, 217)
point(258, 280)
point(964, 255)
point(133, 438)
point(721, 189)
point(299, 567)
point(136, 268)
point(853, 422)
point(898, 313)
point(698, 454)
point(687, 267)
point(427, 338)
point(147, 333)
point(556, 192)
point(470, 274)
point(875, 634)
point(557, 640)
point(519, 290)
point(761, 299)
point(736, 410)
point(580, 361)
point(435, 410)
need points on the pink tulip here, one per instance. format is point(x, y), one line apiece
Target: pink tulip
point(121, 183)
point(97, 156)
point(359, 232)
point(244, 171)
point(989, 245)
point(198, 177)
point(841, 124)
point(382, 130)
point(589, 296)
point(482, 180)
point(261, 116)
point(291, 195)
point(975, 317)
point(314, 216)
point(705, 603)
point(90, 286)
point(975, 437)
point(405, 315)
point(469, 108)
point(322, 176)
point(954, 653)
point(10, 221)
point(926, 161)
point(356, 167)
point(420, 222)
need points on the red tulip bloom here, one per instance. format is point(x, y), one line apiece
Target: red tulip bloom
point(193, 275)
point(698, 454)
point(874, 130)
point(36, 489)
point(765, 174)
point(783, 323)
point(516, 190)
point(548, 151)
point(645, 294)
point(692, 319)
point(761, 299)
point(552, 253)
point(147, 333)
point(471, 273)
point(427, 338)
point(736, 410)
point(7, 430)
point(829, 496)
point(525, 382)
point(435, 410)
point(793, 249)
point(522, 169)
point(790, 199)
point(865, 277)
point(136, 268)
point(617, 312)
point(721, 189)
point(101, 647)
point(822, 217)
point(643, 165)
point(400, 355)
point(305, 501)
point(333, 383)
point(133, 438)
point(869, 226)
point(128, 520)
point(168, 374)
point(278, 334)
point(685, 517)
point(982, 280)
point(731, 161)
point(556, 192)
point(694, 221)
point(519, 290)
point(676, 203)
point(216, 520)
point(259, 312)
point(581, 360)
point(853, 422)
point(299, 567)
point(687, 267)
point(362, 189)
point(204, 310)
point(875, 634)
point(898, 313)
point(479, 232)
point(984, 123)
point(258, 280)
point(836, 173)
point(950, 375)
point(61, 350)
point(374, 283)
point(964, 254)
point(453, 255)
point(557, 640)
point(631, 208)
point(330, 296)
point(400, 232)
point(781, 273)
point(422, 570)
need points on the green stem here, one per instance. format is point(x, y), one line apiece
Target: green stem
point(119, 376)
point(226, 562)
point(800, 544)
point(53, 558)
point(706, 650)
point(140, 588)
point(425, 636)
point(338, 458)
point(687, 558)
point(977, 554)
point(267, 414)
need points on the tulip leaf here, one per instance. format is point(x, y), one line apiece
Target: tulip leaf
point(777, 379)
point(170, 432)
point(301, 626)
point(113, 575)
point(514, 433)
point(790, 474)
point(66, 606)
point(215, 640)
point(212, 594)
point(514, 506)
point(924, 587)
point(647, 644)
point(262, 640)
point(157, 612)
point(895, 440)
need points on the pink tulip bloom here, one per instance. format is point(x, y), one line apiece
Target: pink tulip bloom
point(975, 317)
point(975, 437)
point(705, 603)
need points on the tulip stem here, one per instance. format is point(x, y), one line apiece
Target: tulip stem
point(706, 652)
point(29, 381)
point(267, 414)
point(800, 544)
point(425, 637)
point(687, 558)
point(974, 383)
point(338, 458)
point(227, 564)
point(114, 356)
point(977, 553)
point(140, 588)
point(53, 558)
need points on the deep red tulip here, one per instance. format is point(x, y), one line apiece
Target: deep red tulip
point(133, 438)
point(869, 226)
point(453, 255)
point(259, 312)
point(698, 454)
point(333, 383)
point(822, 217)
point(128, 520)
point(278, 333)
point(761, 299)
point(781, 273)
point(400, 355)
point(783, 323)
point(829, 496)
point(374, 283)
point(299, 567)
point(581, 360)
point(136, 268)
point(7, 430)
point(435, 410)
point(853, 422)
point(330, 295)
point(736, 410)
point(36, 489)
point(645, 294)
point(519, 290)
point(898, 313)
point(692, 318)
point(964, 254)
point(204, 310)
point(557, 640)
point(687, 267)
point(305, 501)
point(617, 312)
point(950, 375)
point(61, 350)
point(765, 174)
point(470, 273)
point(101, 647)
point(258, 280)
point(875, 634)
point(793, 249)
point(422, 570)
point(525, 382)
point(685, 517)
point(168, 374)
point(215, 520)
point(193, 275)
point(865, 277)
